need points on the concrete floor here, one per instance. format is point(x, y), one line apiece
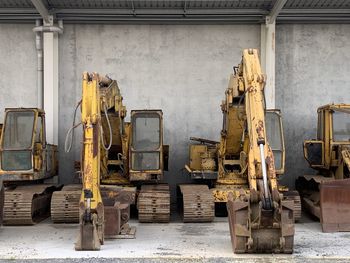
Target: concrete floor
point(205, 242)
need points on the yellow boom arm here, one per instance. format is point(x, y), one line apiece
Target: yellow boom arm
point(260, 156)
point(99, 94)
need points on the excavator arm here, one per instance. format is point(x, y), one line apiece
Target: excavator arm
point(99, 94)
point(260, 219)
point(261, 168)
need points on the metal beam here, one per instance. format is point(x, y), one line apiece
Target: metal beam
point(323, 11)
point(176, 16)
point(271, 18)
point(41, 8)
point(161, 11)
point(302, 12)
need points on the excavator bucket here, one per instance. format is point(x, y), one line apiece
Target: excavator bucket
point(335, 205)
point(238, 218)
point(270, 234)
point(91, 226)
point(88, 238)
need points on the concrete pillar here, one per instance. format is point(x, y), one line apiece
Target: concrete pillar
point(50, 50)
point(267, 57)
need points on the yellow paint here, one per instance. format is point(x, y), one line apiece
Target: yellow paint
point(90, 117)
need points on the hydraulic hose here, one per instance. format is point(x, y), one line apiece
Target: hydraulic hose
point(71, 131)
point(110, 130)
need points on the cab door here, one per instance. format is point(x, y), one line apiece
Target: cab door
point(314, 149)
point(39, 144)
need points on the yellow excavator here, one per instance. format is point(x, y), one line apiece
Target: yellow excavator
point(26, 161)
point(242, 169)
point(327, 194)
point(117, 157)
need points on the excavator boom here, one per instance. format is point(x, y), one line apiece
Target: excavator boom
point(91, 209)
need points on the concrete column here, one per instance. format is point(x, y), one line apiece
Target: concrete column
point(267, 57)
point(50, 50)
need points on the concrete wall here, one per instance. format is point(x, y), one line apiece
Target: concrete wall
point(312, 69)
point(17, 67)
point(183, 70)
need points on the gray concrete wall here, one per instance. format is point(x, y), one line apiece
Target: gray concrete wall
point(312, 69)
point(182, 70)
point(17, 67)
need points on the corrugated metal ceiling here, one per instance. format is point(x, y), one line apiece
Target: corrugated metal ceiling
point(163, 11)
point(60, 4)
point(256, 4)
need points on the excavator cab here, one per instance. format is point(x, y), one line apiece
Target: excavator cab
point(333, 132)
point(326, 195)
point(24, 152)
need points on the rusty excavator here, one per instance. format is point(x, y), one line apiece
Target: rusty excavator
point(27, 162)
point(242, 169)
point(119, 159)
point(326, 195)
